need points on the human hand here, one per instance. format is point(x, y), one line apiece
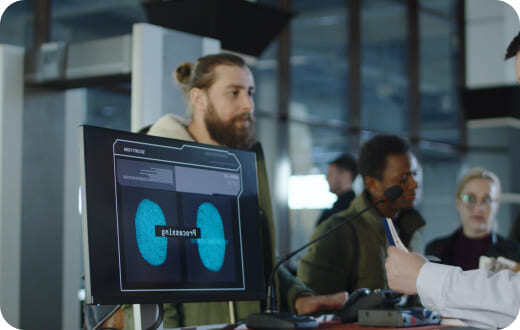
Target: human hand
point(497, 264)
point(402, 269)
point(311, 304)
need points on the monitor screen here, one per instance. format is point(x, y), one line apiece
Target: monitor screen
point(168, 220)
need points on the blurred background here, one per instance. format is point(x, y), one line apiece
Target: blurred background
point(331, 75)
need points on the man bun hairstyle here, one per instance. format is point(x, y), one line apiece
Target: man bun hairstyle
point(374, 153)
point(183, 73)
point(201, 74)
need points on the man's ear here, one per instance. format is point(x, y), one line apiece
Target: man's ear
point(198, 99)
point(374, 186)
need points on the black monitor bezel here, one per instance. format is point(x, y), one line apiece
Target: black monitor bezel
point(98, 204)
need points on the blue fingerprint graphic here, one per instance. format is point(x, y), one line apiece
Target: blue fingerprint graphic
point(151, 247)
point(212, 244)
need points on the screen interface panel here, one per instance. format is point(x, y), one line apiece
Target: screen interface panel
point(166, 220)
point(178, 220)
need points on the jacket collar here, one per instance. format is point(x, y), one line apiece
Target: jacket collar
point(372, 218)
point(173, 127)
point(406, 222)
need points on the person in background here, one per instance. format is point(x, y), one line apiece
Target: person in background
point(477, 204)
point(341, 173)
point(353, 256)
point(514, 234)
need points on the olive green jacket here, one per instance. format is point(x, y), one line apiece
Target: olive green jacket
point(353, 256)
point(288, 287)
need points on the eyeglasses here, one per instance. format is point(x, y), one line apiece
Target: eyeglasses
point(470, 200)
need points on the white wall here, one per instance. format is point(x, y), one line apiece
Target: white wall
point(75, 113)
point(11, 109)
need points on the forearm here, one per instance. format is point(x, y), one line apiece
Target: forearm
point(303, 300)
point(323, 279)
point(482, 299)
point(291, 288)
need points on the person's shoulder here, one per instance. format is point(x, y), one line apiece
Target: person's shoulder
point(504, 247)
point(337, 219)
point(341, 215)
point(171, 118)
point(508, 244)
point(358, 204)
point(411, 215)
point(442, 239)
point(329, 222)
point(436, 244)
point(433, 243)
point(258, 150)
point(171, 126)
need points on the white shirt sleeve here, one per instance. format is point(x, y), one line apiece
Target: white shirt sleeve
point(480, 298)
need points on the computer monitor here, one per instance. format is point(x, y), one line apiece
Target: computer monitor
point(167, 220)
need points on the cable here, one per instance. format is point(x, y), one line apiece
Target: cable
point(159, 320)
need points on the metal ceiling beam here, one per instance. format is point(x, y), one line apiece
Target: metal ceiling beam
point(42, 22)
point(354, 73)
point(414, 95)
point(284, 100)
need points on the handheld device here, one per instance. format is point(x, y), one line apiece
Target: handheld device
point(391, 234)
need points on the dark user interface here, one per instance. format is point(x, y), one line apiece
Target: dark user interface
point(178, 225)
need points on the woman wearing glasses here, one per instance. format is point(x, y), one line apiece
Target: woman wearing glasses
point(477, 204)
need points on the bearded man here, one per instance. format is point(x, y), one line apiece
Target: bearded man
point(219, 92)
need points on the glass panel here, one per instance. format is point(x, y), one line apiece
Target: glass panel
point(442, 7)
point(384, 72)
point(319, 88)
point(108, 109)
point(265, 71)
point(311, 148)
point(438, 186)
point(72, 20)
point(76, 20)
point(439, 99)
point(319, 93)
point(16, 24)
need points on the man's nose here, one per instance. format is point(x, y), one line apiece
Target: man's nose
point(415, 184)
point(248, 104)
point(480, 206)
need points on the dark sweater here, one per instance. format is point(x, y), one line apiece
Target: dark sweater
point(448, 249)
point(468, 250)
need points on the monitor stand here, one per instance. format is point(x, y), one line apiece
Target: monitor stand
point(144, 316)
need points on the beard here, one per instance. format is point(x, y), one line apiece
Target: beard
point(229, 133)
